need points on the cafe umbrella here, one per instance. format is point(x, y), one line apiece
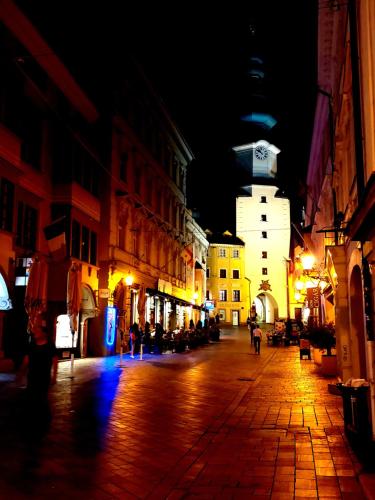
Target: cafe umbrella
point(36, 292)
point(141, 306)
point(74, 297)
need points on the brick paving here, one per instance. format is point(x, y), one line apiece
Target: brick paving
point(217, 422)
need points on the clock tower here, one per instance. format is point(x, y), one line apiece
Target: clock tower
point(263, 223)
point(259, 159)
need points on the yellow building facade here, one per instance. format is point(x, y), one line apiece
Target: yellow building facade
point(228, 290)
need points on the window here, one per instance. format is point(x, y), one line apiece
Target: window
point(236, 274)
point(263, 199)
point(264, 218)
point(6, 205)
point(208, 272)
point(236, 254)
point(26, 226)
point(264, 234)
point(124, 167)
point(264, 255)
point(222, 314)
point(223, 273)
point(264, 270)
point(83, 243)
point(236, 296)
point(223, 295)
point(222, 252)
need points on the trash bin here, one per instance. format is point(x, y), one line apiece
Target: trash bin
point(356, 418)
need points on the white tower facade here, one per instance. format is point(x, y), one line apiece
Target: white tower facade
point(263, 223)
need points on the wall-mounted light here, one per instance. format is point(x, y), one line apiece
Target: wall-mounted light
point(307, 260)
point(299, 285)
point(129, 279)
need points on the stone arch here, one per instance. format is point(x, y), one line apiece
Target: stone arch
point(266, 307)
point(357, 324)
point(88, 310)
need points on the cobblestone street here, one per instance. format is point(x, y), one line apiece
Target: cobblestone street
point(216, 422)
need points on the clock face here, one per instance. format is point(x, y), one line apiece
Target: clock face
point(261, 153)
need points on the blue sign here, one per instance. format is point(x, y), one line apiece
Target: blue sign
point(110, 324)
point(210, 305)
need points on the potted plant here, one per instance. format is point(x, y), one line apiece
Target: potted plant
point(323, 338)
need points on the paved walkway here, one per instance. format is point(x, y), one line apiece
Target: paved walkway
point(217, 422)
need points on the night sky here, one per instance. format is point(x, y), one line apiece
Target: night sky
point(198, 62)
point(196, 57)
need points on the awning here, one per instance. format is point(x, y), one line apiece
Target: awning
point(172, 298)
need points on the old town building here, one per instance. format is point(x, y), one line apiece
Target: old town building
point(93, 201)
point(227, 286)
point(340, 182)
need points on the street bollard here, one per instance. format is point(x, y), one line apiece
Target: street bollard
point(120, 365)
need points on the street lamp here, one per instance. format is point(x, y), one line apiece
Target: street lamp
point(249, 280)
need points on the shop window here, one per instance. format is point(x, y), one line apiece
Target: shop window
point(223, 295)
point(236, 274)
point(222, 314)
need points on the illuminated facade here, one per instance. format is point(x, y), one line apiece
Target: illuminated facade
point(263, 223)
point(227, 286)
point(340, 181)
point(103, 191)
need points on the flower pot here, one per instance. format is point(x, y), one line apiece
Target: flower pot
point(317, 356)
point(329, 366)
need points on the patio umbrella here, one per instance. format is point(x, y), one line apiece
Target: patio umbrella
point(119, 298)
point(74, 294)
point(36, 292)
point(141, 306)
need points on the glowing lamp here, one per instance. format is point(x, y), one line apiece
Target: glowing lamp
point(307, 260)
point(297, 296)
point(129, 280)
point(195, 296)
point(299, 285)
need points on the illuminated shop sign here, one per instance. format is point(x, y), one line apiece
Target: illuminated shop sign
point(210, 305)
point(110, 324)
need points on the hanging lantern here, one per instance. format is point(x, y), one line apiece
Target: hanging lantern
point(307, 260)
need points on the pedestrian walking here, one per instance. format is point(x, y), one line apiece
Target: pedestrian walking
point(41, 365)
point(257, 333)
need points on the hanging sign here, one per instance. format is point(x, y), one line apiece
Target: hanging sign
point(313, 297)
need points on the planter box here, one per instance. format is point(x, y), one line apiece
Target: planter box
point(317, 356)
point(329, 366)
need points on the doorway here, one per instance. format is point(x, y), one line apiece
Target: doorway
point(235, 318)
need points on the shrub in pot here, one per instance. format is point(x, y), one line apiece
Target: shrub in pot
point(323, 337)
